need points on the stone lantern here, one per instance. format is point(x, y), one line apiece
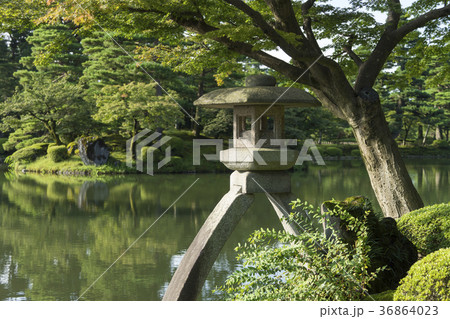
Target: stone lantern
point(260, 162)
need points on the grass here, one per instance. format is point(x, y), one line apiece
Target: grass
point(74, 166)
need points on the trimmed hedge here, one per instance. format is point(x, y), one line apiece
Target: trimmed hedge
point(333, 151)
point(427, 280)
point(57, 153)
point(356, 152)
point(427, 228)
point(30, 153)
point(440, 144)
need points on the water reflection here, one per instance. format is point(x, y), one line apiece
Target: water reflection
point(58, 234)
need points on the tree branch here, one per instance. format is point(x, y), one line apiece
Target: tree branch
point(394, 14)
point(190, 22)
point(348, 49)
point(370, 69)
point(307, 25)
point(352, 55)
point(422, 20)
point(285, 16)
point(273, 35)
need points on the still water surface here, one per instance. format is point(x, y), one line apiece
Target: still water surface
point(59, 234)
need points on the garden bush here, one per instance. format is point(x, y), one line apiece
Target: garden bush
point(281, 266)
point(427, 228)
point(356, 152)
point(428, 279)
point(176, 144)
point(29, 154)
point(389, 249)
point(157, 155)
point(333, 151)
point(440, 144)
point(57, 153)
point(2, 140)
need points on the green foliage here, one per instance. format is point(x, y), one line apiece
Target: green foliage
point(440, 144)
point(56, 52)
point(427, 228)
point(387, 295)
point(220, 125)
point(157, 155)
point(355, 152)
point(389, 249)
point(2, 140)
point(29, 153)
point(71, 148)
point(333, 151)
point(55, 106)
point(57, 153)
point(281, 266)
point(129, 107)
point(427, 280)
point(176, 144)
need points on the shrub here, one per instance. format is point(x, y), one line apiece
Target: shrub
point(440, 144)
point(427, 228)
point(428, 279)
point(157, 155)
point(176, 144)
point(355, 152)
point(389, 249)
point(57, 153)
point(281, 266)
point(28, 142)
point(30, 153)
point(2, 140)
point(333, 151)
point(387, 295)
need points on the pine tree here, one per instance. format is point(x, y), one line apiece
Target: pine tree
point(56, 52)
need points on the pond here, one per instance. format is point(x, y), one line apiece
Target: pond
point(59, 234)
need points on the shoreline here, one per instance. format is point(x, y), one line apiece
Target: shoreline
point(89, 172)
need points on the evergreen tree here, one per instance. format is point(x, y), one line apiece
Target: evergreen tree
point(56, 106)
point(55, 52)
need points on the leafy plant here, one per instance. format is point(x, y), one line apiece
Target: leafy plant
point(29, 153)
point(280, 266)
point(57, 153)
point(428, 279)
point(427, 228)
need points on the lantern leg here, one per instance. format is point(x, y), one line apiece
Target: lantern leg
point(191, 274)
point(280, 203)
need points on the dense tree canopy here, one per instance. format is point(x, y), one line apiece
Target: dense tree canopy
point(192, 35)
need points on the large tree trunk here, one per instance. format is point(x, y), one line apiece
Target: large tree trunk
point(390, 180)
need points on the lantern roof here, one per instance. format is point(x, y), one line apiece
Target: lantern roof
point(259, 90)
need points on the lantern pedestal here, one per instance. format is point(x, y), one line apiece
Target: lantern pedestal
point(188, 280)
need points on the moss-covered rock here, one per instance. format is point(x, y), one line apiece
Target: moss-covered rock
point(427, 228)
point(71, 148)
point(57, 153)
point(428, 279)
point(93, 150)
point(388, 247)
